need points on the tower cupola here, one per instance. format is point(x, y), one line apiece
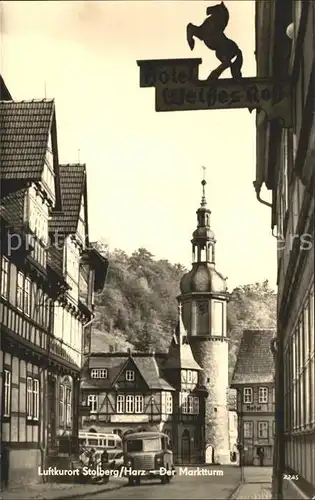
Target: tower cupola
point(203, 276)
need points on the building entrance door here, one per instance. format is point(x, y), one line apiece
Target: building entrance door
point(186, 447)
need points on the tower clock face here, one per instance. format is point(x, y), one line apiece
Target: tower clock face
point(202, 307)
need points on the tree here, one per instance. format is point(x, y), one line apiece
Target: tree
point(139, 303)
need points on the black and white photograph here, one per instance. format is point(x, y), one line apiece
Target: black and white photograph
point(157, 260)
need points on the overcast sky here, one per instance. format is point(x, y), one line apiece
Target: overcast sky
point(144, 168)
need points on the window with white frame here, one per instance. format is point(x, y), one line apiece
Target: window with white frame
point(138, 404)
point(68, 406)
point(38, 218)
point(248, 429)
point(263, 395)
point(189, 404)
point(62, 409)
point(263, 430)
point(20, 291)
point(48, 175)
point(66, 326)
point(92, 402)
point(184, 402)
point(169, 403)
point(120, 404)
point(248, 395)
point(72, 256)
point(196, 405)
point(81, 226)
point(7, 393)
point(130, 375)
point(5, 277)
point(300, 408)
point(99, 373)
point(27, 296)
point(35, 399)
point(32, 398)
point(130, 404)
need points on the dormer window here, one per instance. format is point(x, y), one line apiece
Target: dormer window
point(99, 373)
point(130, 375)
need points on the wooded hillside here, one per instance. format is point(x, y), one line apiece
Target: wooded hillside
point(138, 305)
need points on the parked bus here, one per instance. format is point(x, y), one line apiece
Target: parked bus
point(99, 442)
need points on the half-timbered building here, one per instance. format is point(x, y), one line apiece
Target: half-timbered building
point(285, 38)
point(45, 261)
point(253, 379)
point(132, 390)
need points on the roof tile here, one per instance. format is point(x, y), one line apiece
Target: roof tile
point(72, 180)
point(24, 129)
point(255, 362)
point(13, 208)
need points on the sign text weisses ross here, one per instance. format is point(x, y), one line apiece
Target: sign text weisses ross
point(177, 88)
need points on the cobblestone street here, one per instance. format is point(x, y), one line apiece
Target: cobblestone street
point(182, 486)
point(257, 485)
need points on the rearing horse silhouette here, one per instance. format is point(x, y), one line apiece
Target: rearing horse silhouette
point(211, 32)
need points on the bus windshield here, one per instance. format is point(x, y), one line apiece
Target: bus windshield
point(138, 445)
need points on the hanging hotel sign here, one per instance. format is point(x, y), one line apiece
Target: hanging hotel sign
point(178, 88)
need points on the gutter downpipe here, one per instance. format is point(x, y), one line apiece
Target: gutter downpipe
point(258, 185)
point(278, 466)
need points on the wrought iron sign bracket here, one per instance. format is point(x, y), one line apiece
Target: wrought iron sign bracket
point(178, 88)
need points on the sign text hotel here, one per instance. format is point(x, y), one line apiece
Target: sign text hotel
point(177, 88)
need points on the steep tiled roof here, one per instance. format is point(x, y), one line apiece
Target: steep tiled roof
point(13, 208)
point(149, 370)
point(255, 360)
point(72, 181)
point(25, 128)
point(146, 364)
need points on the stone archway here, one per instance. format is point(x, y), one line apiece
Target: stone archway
point(185, 447)
point(209, 455)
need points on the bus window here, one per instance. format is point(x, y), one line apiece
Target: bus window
point(93, 442)
point(111, 443)
point(82, 441)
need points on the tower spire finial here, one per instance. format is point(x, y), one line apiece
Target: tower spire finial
point(203, 183)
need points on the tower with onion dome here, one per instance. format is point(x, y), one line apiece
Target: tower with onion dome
point(204, 300)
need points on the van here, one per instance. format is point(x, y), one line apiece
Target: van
point(147, 455)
